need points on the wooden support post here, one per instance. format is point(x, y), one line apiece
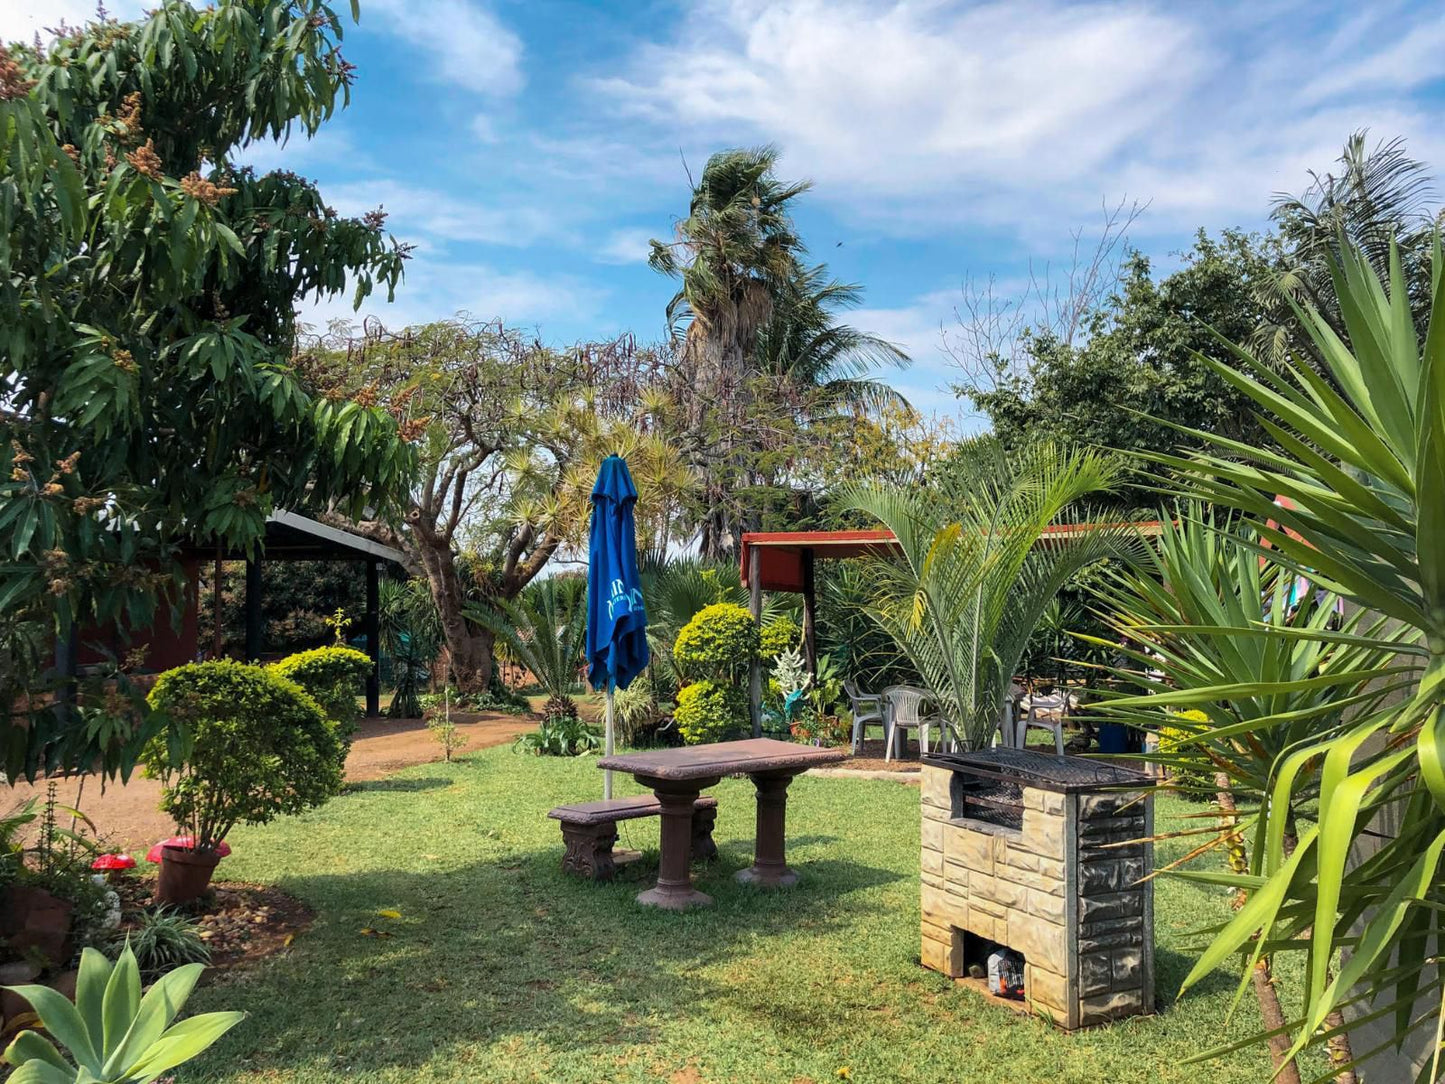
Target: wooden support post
point(253, 609)
point(373, 637)
point(217, 638)
point(810, 614)
point(755, 668)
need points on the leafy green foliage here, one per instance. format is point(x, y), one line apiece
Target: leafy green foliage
point(778, 635)
point(1139, 367)
point(560, 736)
point(1180, 609)
point(163, 940)
point(153, 393)
point(710, 711)
point(114, 1035)
point(1361, 469)
point(410, 639)
point(973, 578)
point(255, 746)
point(334, 677)
point(719, 642)
point(545, 630)
point(1191, 772)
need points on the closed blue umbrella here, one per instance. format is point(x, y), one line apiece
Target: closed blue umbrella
point(616, 618)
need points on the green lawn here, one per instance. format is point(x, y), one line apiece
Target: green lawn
point(502, 969)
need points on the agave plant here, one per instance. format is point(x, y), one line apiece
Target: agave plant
point(544, 628)
point(114, 1035)
point(972, 578)
point(1354, 498)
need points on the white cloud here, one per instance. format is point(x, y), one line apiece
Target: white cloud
point(627, 246)
point(414, 210)
point(329, 146)
point(463, 43)
point(21, 20)
point(436, 288)
point(1021, 115)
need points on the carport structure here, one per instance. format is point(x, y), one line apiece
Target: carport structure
point(785, 561)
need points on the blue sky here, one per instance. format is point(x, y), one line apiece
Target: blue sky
point(530, 147)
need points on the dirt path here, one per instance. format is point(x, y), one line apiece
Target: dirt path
point(129, 818)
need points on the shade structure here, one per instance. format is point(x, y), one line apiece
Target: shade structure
point(616, 617)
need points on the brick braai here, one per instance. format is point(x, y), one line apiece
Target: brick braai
point(1020, 851)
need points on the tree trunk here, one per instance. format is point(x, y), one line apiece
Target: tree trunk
point(1270, 1009)
point(468, 648)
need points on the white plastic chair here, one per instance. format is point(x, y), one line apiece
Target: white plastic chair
point(1058, 701)
point(867, 708)
point(902, 711)
point(1008, 732)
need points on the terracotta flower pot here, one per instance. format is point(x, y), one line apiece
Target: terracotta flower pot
point(185, 874)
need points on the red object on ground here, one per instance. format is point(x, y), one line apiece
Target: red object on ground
point(184, 843)
point(110, 862)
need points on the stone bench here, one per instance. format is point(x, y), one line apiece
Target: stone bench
point(589, 829)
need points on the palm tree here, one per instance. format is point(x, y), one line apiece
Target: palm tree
point(734, 253)
point(1378, 197)
point(972, 580)
point(544, 628)
point(804, 345)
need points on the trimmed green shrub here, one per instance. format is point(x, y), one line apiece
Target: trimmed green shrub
point(334, 676)
point(709, 711)
point(779, 635)
point(1190, 770)
point(252, 745)
point(717, 642)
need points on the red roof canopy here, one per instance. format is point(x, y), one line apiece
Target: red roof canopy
point(780, 553)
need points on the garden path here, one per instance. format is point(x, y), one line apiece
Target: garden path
point(129, 816)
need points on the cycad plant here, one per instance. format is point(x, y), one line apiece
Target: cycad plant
point(980, 559)
point(1354, 498)
point(544, 628)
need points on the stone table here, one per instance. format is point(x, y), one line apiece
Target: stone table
point(677, 776)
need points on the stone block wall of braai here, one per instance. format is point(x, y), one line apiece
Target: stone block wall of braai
point(1057, 889)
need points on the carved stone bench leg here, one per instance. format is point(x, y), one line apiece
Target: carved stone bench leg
point(589, 850)
point(703, 848)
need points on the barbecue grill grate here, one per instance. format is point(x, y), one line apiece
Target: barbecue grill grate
point(1046, 771)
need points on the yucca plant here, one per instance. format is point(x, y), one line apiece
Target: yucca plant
point(1354, 498)
point(545, 629)
point(972, 579)
point(1179, 611)
point(114, 1035)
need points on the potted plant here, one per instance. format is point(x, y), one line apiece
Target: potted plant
point(246, 745)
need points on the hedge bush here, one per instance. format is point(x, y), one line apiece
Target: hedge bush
point(779, 635)
point(1190, 770)
point(709, 711)
point(334, 676)
point(717, 642)
point(252, 745)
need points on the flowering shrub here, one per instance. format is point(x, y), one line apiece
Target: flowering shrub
point(334, 676)
point(255, 746)
point(709, 711)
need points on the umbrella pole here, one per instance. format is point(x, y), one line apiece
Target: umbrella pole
point(607, 774)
